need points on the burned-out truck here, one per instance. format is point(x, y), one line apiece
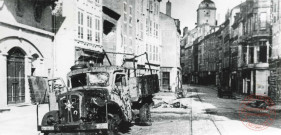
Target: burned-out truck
point(96, 100)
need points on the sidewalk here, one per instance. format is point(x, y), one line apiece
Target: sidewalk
point(241, 97)
point(21, 120)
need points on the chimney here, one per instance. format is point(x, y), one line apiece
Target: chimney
point(185, 30)
point(168, 8)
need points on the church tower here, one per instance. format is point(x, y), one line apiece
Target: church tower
point(206, 13)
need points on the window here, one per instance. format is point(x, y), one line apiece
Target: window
point(130, 19)
point(262, 52)
point(97, 24)
point(154, 9)
point(255, 22)
point(125, 12)
point(125, 28)
point(98, 79)
point(130, 30)
point(130, 10)
point(166, 80)
point(120, 79)
point(124, 40)
point(142, 4)
point(147, 26)
point(125, 17)
point(157, 53)
point(156, 31)
point(125, 7)
point(150, 50)
point(151, 6)
point(78, 80)
point(150, 27)
point(80, 25)
point(131, 42)
point(141, 30)
point(89, 28)
point(154, 53)
point(263, 20)
point(251, 55)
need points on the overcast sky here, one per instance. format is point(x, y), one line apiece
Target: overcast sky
point(185, 10)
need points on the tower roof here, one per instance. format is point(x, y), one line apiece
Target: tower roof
point(207, 4)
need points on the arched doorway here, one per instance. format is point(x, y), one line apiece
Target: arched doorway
point(16, 76)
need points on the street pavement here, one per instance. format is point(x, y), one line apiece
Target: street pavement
point(201, 112)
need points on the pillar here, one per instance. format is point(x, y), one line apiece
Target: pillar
point(3, 80)
point(247, 56)
point(255, 54)
point(27, 68)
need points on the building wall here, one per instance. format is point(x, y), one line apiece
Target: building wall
point(262, 82)
point(152, 34)
point(20, 29)
point(122, 38)
point(170, 50)
point(274, 63)
point(112, 42)
point(276, 29)
point(68, 40)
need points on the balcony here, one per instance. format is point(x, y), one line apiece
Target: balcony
point(256, 66)
point(261, 66)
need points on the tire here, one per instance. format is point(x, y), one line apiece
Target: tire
point(145, 115)
point(113, 124)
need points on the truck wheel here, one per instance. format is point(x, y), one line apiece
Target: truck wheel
point(145, 115)
point(113, 123)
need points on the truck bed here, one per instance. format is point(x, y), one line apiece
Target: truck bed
point(143, 86)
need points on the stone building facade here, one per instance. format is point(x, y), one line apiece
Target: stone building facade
point(171, 75)
point(135, 32)
point(275, 61)
point(148, 37)
point(26, 47)
point(78, 40)
point(242, 48)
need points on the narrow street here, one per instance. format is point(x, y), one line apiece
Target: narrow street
point(206, 114)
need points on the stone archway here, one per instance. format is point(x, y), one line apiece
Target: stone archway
point(16, 76)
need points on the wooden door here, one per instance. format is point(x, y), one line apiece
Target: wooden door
point(15, 77)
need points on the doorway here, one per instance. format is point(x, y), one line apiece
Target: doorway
point(166, 80)
point(15, 76)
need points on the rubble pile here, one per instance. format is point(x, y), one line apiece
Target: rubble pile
point(170, 103)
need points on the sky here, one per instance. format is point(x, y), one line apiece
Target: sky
point(185, 10)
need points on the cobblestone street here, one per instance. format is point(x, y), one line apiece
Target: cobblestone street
point(210, 116)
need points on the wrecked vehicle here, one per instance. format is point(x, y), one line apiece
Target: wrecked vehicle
point(97, 100)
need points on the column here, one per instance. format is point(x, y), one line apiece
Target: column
point(3, 80)
point(27, 68)
point(252, 82)
point(255, 54)
point(247, 56)
point(267, 51)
